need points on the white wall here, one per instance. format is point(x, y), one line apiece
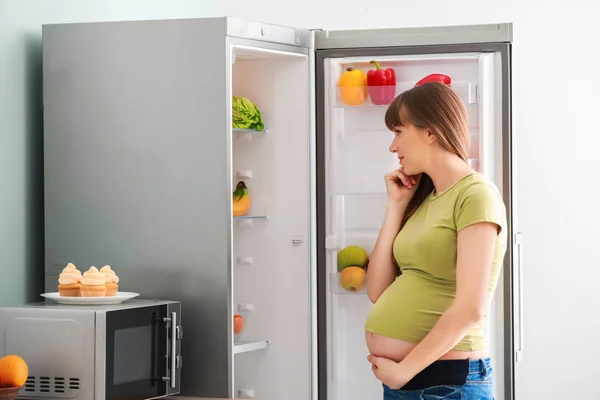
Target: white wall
point(556, 103)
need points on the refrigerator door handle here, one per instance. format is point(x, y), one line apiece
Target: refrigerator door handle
point(518, 241)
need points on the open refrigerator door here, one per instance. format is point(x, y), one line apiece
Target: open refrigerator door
point(270, 223)
point(356, 158)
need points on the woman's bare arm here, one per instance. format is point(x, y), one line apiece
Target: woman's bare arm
point(382, 270)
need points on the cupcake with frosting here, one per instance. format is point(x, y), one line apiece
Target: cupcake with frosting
point(111, 279)
point(93, 283)
point(69, 281)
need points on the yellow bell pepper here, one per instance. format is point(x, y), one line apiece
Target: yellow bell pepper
point(353, 87)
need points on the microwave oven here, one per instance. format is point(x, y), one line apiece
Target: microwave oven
point(112, 352)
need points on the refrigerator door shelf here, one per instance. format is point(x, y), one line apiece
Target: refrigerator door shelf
point(246, 346)
point(358, 285)
point(250, 217)
point(247, 134)
point(248, 220)
point(243, 130)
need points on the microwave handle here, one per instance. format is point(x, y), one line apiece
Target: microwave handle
point(173, 347)
point(173, 356)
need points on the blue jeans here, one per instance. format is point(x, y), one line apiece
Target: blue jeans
point(478, 386)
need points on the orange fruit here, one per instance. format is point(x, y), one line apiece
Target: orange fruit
point(13, 371)
point(238, 323)
point(353, 278)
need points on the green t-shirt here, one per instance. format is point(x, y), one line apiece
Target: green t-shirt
point(425, 250)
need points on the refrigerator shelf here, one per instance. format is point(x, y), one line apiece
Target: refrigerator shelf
point(467, 91)
point(249, 219)
point(337, 288)
point(246, 346)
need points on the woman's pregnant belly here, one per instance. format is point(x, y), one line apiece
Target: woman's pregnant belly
point(397, 350)
point(406, 312)
point(382, 346)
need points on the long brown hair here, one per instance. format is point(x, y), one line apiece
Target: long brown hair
point(436, 107)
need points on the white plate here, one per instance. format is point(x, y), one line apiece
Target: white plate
point(116, 299)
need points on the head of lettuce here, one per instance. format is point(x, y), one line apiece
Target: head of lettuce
point(245, 114)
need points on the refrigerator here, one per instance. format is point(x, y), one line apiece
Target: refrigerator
point(141, 160)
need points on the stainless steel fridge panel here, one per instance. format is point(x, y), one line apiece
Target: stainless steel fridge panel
point(137, 171)
point(425, 36)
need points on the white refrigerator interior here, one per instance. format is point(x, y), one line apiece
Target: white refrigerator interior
point(270, 269)
point(357, 158)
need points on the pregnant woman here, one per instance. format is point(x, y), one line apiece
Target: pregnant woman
point(436, 262)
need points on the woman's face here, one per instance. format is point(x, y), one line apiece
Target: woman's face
point(413, 147)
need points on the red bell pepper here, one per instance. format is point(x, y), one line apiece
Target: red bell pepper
point(435, 78)
point(381, 84)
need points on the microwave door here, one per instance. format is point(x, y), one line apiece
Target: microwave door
point(138, 354)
